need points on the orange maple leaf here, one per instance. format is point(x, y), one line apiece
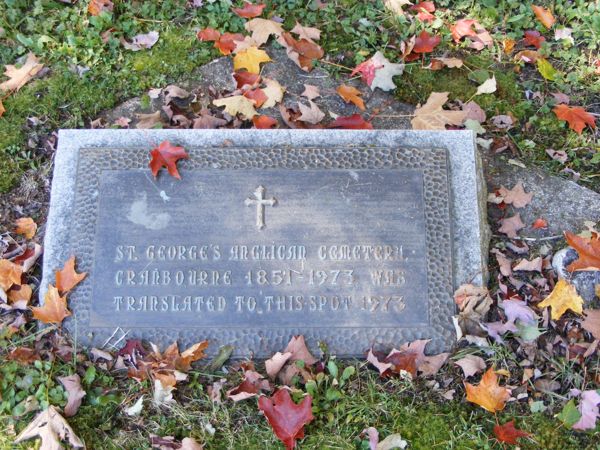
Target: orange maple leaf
point(249, 10)
point(54, 309)
point(425, 43)
point(10, 273)
point(351, 94)
point(304, 51)
point(264, 122)
point(167, 155)
point(587, 249)
point(576, 116)
point(26, 226)
point(544, 15)
point(488, 394)
point(67, 278)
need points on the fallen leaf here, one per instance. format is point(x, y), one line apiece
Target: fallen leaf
point(395, 6)
point(546, 69)
point(166, 155)
point(353, 122)
point(297, 347)
point(519, 310)
point(311, 114)
point(431, 116)
point(569, 415)
point(564, 34)
point(172, 91)
point(381, 366)
point(249, 10)
point(274, 92)
point(135, 409)
point(286, 417)
point(539, 224)
point(449, 62)
point(533, 38)
point(392, 441)
point(576, 116)
point(250, 59)
point(227, 42)
point(19, 77)
point(424, 10)
point(472, 29)
point(544, 15)
point(564, 297)
point(508, 434)
point(163, 392)
point(535, 265)
point(141, 41)
point(10, 274)
point(310, 92)
point(274, 364)
point(26, 226)
point(487, 87)
point(471, 365)
point(244, 78)
point(146, 121)
point(591, 322)
point(252, 384)
point(488, 394)
point(378, 72)
point(2, 109)
point(261, 29)
point(303, 52)
point(208, 34)
point(96, 7)
point(264, 122)
point(54, 309)
point(351, 94)
point(308, 33)
point(588, 408)
point(257, 96)
point(508, 45)
point(51, 428)
point(237, 104)
point(67, 278)
point(511, 225)
point(425, 43)
point(516, 196)
point(75, 393)
point(23, 355)
point(588, 251)
point(19, 296)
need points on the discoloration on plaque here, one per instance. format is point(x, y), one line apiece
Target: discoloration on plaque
point(140, 215)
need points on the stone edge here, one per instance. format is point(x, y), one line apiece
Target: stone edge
point(468, 191)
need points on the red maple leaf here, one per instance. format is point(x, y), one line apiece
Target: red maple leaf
point(264, 122)
point(508, 434)
point(286, 417)
point(227, 42)
point(367, 71)
point(166, 155)
point(353, 122)
point(249, 10)
point(208, 34)
point(425, 43)
point(424, 10)
point(534, 38)
point(245, 78)
point(576, 116)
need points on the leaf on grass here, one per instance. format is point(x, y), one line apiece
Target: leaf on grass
point(395, 6)
point(487, 87)
point(440, 63)
point(250, 10)
point(378, 72)
point(533, 38)
point(546, 69)
point(488, 393)
point(516, 196)
point(544, 15)
point(431, 116)
point(588, 251)
point(250, 59)
point(141, 41)
point(393, 441)
point(23, 355)
point(591, 322)
point(96, 7)
point(511, 225)
point(286, 417)
point(274, 92)
point(166, 155)
point(10, 274)
point(588, 408)
point(569, 415)
point(424, 10)
point(237, 104)
point(261, 29)
point(26, 226)
point(252, 384)
point(564, 297)
point(575, 116)
point(51, 428)
point(2, 109)
point(75, 393)
point(67, 278)
point(54, 309)
point(208, 34)
point(353, 122)
point(471, 365)
point(264, 122)
point(274, 364)
point(425, 43)
point(351, 94)
point(17, 78)
point(303, 51)
point(472, 29)
point(228, 42)
point(308, 33)
point(297, 347)
point(508, 434)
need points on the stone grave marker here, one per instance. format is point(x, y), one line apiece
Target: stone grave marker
point(353, 238)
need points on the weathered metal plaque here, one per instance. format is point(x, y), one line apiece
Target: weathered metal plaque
point(349, 246)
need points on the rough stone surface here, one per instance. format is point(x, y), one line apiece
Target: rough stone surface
point(468, 247)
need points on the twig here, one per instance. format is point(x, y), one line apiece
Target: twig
point(518, 238)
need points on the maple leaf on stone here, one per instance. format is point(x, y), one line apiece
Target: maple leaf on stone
point(67, 278)
point(54, 309)
point(516, 196)
point(250, 10)
point(10, 274)
point(511, 225)
point(264, 122)
point(257, 95)
point(431, 116)
point(353, 122)
point(588, 251)
point(533, 38)
point(351, 94)
point(147, 121)
point(51, 428)
point(378, 72)
point(508, 434)
point(564, 297)
point(425, 43)
point(250, 59)
point(274, 92)
point(166, 155)
point(26, 226)
point(286, 417)
point(237, 104)
point(575, 116)
point(303, 51)
point(311, 113)
point(244, 78)
point(17, 78)
point(75, 393)
point(310, 92)
point(488, 393)
point(261, 29)
point(544, 15)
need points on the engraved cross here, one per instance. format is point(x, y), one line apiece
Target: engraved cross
point(260, 201)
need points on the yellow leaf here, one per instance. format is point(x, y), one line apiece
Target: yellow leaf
point(19, 77)
point(10, 273)
point(431, 116)
point(250, 59)
point(488, 394)
point(26, 226)
point(563, 297)
point(54, 309)
point(2, 110)
point(237, 104)
point(274, 92)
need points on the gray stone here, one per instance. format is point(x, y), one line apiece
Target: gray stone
point(103, 192)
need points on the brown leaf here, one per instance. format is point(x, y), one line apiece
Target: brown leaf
point(274, 364)
point(311, 114)
point(264, 122)
point(488, 394)
point(591, 322)
point(303, 52)
point(67, 278)
point(52, 428)
point(544, 15)
point(425, 43)
point(307, 33)
point(147, 121)
point(23, 355)
point(96, 7)
point(19, 296)
point(26, 226)
point(508, 434)
point(54, 309)
point(75, 393)
point(10, 274)
point(252, 384)
point(588, 251)
point(297, 347)
point(249, 10)
point(431, 116)
point(511, 225)
point(311, 92)
point(471, 365)
point(351, 94)
point(19, 77)
point(261, 29)
point(516, 196)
